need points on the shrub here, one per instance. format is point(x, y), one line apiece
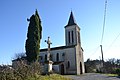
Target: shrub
point(25, 71)
point(22, 72)
point(118, 71)
point(6, 73)
point(28, 72)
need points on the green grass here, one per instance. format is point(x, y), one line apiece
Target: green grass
point(112, 75)
point(50, 77)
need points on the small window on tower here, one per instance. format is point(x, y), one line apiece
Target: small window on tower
point(69, 36)
point(78, 37)
point(72, 37)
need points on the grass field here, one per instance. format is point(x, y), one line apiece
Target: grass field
point(112, 75)
point(50, 77)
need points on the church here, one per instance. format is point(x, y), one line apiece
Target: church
point(67, 59)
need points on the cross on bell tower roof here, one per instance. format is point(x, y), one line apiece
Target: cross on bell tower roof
point(71, 20)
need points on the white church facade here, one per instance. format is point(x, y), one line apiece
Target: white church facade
point(67, 59)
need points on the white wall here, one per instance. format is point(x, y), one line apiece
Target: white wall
point(65, 55)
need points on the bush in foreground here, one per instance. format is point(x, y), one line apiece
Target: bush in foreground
point(27, 72)
point(118, 71)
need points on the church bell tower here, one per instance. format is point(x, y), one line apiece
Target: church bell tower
point(72, 32)
point(72, 38)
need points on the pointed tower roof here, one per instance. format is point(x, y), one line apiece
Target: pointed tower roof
point(71, 20)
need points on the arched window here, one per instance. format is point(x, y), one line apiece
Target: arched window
point(72, 37)
point(68, 64)
point(81, 70)
point(57, 57)
point(69, 36)
point(78, 37)
point(45, 57)
point(63, 56)
point(50, 56)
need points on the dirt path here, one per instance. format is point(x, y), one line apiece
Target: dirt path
point(92, 76)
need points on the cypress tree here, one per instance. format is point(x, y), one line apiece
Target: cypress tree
point(34, 36)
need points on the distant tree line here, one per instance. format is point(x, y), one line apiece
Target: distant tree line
point(110, 65)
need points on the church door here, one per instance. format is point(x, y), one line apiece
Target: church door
point(81, 68)
point(62, 69)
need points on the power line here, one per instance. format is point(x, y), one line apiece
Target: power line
point(96, 49)
point(113, 42)
point(104, 21)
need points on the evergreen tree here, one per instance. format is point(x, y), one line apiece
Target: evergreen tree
point(34, 36)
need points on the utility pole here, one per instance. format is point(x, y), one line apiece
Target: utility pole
point(102, 58)
point(103, 67)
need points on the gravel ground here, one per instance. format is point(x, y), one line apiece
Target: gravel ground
point(92, 76)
